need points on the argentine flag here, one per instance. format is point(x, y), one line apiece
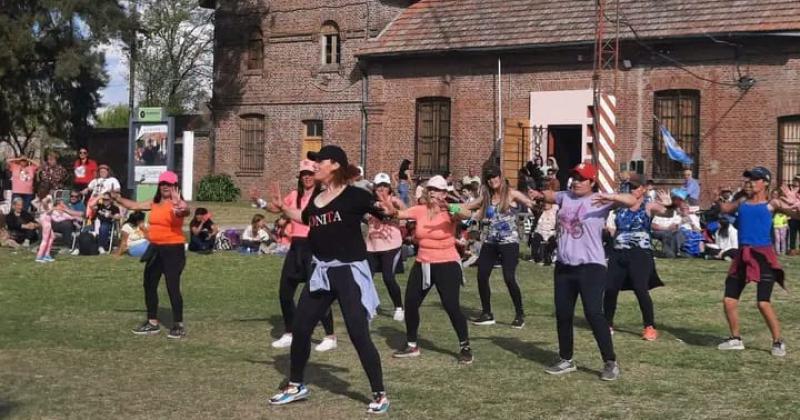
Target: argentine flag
point(673, 150)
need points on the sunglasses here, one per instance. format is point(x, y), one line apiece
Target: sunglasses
point(162, 184)
point(74, 196)
point(83, 153)
point(431, 189)
point(578, 178)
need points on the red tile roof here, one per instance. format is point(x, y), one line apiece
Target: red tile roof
point(441, 25)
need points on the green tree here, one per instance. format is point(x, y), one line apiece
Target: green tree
point(51, 70)
point(116, 116)
point(174, 57)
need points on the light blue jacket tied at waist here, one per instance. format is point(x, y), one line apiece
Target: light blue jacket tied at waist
point(361, 274)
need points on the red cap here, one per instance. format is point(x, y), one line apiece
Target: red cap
point(586, 171)
point(169, 177)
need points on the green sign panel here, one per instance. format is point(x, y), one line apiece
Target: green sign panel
point(150, 114)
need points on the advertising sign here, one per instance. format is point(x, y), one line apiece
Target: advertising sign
point(151, 149)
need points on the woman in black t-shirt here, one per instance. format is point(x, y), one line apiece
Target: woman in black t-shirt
point(340, 272)
point(203, 231)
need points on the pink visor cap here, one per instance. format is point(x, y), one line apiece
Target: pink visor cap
point(307, 166)
point(169, 177)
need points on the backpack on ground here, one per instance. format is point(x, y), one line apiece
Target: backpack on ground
point(87, 244)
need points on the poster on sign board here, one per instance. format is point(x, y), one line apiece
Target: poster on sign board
point(150, 152)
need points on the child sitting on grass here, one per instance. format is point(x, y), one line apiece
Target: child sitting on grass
point(256, 235)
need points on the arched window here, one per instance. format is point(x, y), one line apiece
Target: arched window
point(331, 44)
point(432, 151)
point(251, 143)
point(679, 112)
point(255, 51)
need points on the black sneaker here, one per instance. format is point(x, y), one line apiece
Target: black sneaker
point(465, 356)
point(147, 329)
point(177, 332)
point(519, 322)
point(484, 319)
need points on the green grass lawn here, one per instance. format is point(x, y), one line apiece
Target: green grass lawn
point(66, 350)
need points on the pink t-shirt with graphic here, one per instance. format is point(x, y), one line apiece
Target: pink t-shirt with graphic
point(22, 177)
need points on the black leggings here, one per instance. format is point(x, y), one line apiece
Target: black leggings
point(509, 256)
point(588, 281)
point(313, 306)
point(386, 262)
point(637, 265)
point(168, 260)
point(296, 267)
point(447, 279)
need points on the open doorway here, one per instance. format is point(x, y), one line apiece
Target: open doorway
point(566, 144)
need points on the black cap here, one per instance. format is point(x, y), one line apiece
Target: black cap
point(758, 172)
point(334, 153)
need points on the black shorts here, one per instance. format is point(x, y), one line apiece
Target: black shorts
point(735, 285)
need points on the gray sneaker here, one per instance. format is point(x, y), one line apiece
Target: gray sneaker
point(610, 371)
point(562, 367)
point(779, 348)
point(731, 343)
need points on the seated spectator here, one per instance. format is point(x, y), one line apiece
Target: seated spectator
point(22, 227)
point(5, 238)
point(105, 183)
point(551, 180)
point(665, 229)
point(690, 229)
point(281, 237)
point(76, 203)
point(543, 240)
point(133, 238)
point(256, 235)
point(203, 231)
point(726, 241)
point(106, 214)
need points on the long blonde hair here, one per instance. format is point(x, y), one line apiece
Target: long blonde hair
point(486, 198)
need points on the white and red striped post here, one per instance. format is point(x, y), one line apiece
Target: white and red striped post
point(606, 141)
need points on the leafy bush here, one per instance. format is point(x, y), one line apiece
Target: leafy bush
point(217, 188)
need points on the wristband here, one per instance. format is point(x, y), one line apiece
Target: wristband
point(454, 208)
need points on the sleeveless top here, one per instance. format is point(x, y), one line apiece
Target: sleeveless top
point(754, 223)
point(502, 225)
point(633, 227)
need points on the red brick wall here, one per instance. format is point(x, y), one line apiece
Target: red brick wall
point(293, 85)
point(737, 129)
point(202, 159)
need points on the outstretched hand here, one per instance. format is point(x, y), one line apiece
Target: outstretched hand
point(534, 194)
point(602, 199)
point(275, 195)
point(385, 201)
point(663, 197)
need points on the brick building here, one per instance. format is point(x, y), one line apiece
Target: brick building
point(445, 83)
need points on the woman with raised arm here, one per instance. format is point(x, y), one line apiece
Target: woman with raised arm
point(498, 206)
point(581, 267)
point(166, 254)
point(340, 272)
point(438, 264)
point(756, 260)
point(297, 263)
point(631, 265)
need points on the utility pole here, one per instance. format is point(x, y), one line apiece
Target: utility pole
point(133, 45)
point(606, 66)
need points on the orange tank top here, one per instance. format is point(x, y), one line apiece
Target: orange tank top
point(165, 227)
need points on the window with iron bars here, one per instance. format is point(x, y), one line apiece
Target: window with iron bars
point(432, 146)
point(251, 146)
point(788, 148)
point(679, 112)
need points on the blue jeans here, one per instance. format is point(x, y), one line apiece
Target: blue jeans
point(104, 237)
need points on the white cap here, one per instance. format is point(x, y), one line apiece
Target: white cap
point(382, 178)
point(437, 182)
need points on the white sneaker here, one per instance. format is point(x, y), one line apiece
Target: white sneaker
point(283, 342)
point(75, 251)
point(399, 314)
point(469, 261)
point(731, 343)
point(778, 349)
point(328, 343)
point(101, 250)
